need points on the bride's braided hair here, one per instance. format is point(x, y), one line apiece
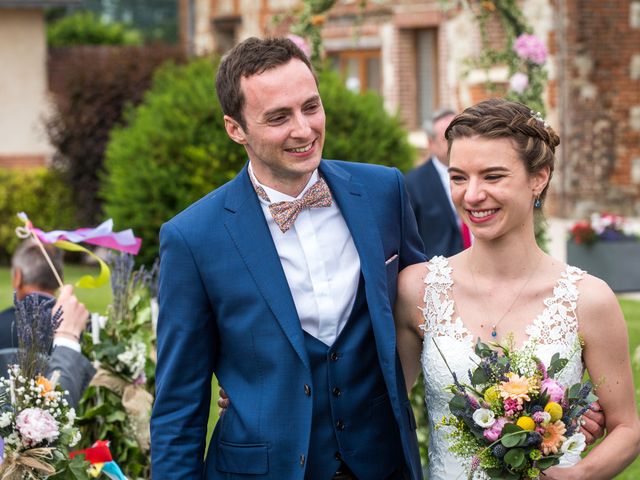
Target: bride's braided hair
point(534, 141)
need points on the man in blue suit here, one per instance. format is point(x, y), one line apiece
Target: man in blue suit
point(430, 194)
point(281, 282)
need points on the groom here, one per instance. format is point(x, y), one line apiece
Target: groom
point(281, 283)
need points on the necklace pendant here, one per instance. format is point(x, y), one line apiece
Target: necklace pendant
point(494, 334)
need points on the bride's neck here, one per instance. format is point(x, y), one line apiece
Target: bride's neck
point(504, 258)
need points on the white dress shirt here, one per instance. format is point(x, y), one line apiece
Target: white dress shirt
point(320, 262)
point(443, 172)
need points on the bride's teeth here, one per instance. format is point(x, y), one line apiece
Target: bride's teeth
point(482, 214)
point(301, 149)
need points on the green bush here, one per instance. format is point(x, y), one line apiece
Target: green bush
point(86, 28)
point(40, 194)
point(175, 148)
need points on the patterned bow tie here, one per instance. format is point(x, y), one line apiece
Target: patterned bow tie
point(285, 213)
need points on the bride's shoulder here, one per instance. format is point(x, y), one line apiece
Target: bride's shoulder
point(596, 301)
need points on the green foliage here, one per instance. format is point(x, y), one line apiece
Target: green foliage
point(175, 148)
point(38, 192)
point(86, 28)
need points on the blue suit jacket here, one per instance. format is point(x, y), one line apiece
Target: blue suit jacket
point(437, 222)
point(225, 308)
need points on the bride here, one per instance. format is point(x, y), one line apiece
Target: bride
point(501, 160)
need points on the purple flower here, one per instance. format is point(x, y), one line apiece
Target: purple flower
point(493, 433)
point(529, 47)
point(519, 82)
point(553, 389)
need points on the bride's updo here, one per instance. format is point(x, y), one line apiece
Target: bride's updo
point(534, 140)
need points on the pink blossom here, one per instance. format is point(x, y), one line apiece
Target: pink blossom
point(511, 406)
point(301, 43)
point(493, 432)
point(530, 47)
point(35, 426)
point(553, 389)
point(519, 82)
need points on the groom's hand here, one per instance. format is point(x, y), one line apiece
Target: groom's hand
point(223, 401)
point(593, 423)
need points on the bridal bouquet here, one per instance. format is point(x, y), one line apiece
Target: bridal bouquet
point(514, 420)
point(37, 425)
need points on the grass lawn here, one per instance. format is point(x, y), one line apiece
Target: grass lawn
point(97, 300)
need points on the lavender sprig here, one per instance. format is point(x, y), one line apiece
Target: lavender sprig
point(121, 270)
point(35, 327)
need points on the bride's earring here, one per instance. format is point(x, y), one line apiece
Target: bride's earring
point(537, 203)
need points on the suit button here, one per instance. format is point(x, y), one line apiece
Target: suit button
point(340, 425)
point(337, 456)
point(302, 460)
point(336, 391)
point(334, 356)
point(307, 390)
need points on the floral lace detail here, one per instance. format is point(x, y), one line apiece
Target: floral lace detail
point(553, 331)
point(558, 323)
point(438, 309)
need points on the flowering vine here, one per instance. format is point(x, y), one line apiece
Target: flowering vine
point(524, 54)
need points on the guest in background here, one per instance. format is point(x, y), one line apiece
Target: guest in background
point(32, 275)
point(439, 226)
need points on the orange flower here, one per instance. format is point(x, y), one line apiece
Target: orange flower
point(47, 386)
point(317, 20)
point(487, 5)
point(516, 388)
point(553, 437)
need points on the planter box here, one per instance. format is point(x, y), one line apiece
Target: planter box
point(617, 263)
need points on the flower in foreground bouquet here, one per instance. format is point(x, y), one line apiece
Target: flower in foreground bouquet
point(37, 425)
point(515, 420)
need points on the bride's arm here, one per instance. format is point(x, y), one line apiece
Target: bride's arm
point(606, 355)
point(407, 317)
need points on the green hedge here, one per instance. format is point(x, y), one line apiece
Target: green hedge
point(175, 149)
point(86, 28)
point(40, 194)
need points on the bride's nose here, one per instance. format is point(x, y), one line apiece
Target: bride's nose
point(475, 192)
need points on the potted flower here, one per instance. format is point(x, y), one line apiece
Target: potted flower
point(606, 246)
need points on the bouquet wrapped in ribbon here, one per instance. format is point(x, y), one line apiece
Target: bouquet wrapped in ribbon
point(37, 425)
point(514, 420)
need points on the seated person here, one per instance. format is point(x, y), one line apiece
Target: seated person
point(31, 275)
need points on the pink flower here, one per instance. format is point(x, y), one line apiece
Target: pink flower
point(511, 406)
point(301, 43)
point(35, 426)
point(519, 82)
point(553, 389)
point(530, 47)
point(493, 432)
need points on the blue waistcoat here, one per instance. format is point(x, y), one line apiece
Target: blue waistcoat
point(352, 417)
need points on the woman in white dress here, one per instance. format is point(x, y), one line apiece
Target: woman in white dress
point(501, 158)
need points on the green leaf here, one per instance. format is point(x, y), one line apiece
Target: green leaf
point(513, 436)
point(547, 462)
point(117, 416)
point(458, 402)
point(479, 377)
point(515, 457)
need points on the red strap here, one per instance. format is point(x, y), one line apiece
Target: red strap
point(466, 236)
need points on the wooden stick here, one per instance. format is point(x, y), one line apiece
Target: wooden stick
point(47, 257)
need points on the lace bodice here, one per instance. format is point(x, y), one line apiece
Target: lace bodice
point(553, 330)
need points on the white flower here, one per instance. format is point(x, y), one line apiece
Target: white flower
point(5, 419)
point(13, 439)
point(574, 445)
point(35, 426)
point(76, 438)
point(519, 82)
point(484, 417)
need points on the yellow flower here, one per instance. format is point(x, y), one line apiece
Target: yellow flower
point(516, 388)
point(553, 437)
point(555, 410)
point(491, 394)
point(526, 423)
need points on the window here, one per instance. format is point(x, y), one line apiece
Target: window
point(426, 70)
point(360, 69)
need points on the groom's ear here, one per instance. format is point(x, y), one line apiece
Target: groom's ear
point(234, 130)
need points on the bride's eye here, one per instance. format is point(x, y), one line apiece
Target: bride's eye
point(456, 178)
point(493, 177)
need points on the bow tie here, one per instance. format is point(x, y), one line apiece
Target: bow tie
point(285, 213)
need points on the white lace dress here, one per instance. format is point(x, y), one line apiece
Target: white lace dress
point(555, 330)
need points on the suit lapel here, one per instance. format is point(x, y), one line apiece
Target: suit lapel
point(355, 206)
point(249, 231)
point(437, 187)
